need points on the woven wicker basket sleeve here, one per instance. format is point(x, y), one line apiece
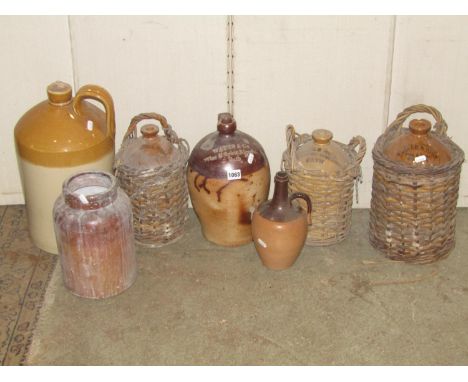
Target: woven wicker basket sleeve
point(413, 209)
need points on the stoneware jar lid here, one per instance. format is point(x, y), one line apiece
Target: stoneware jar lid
point(226, 151)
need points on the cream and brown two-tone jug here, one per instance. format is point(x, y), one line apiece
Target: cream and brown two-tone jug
point(55, 139)
point(228, 176)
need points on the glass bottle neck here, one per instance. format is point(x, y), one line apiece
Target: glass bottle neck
point(90, 190)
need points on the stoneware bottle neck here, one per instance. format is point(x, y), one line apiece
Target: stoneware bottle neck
point(419, 127)
point(280, 195)
point(226, 124)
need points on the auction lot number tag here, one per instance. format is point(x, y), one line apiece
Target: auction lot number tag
point(234, 174)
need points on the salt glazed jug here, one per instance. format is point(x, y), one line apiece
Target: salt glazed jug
point(279, 228)
point(55, 139)
point(228, 176)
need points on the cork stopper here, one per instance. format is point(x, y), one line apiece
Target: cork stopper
point(322, 136)
point(226, 123)
point(59, 93)
point(149, 131)
point(420, 126)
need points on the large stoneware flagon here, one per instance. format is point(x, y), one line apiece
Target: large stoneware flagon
point(228, 176)
point(56, 138)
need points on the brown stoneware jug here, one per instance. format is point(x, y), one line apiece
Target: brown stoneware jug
point(56, 138)
point(228, 176)
point(279, 228)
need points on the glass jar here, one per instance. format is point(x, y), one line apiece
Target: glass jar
point(416, 146)
point(94, 232)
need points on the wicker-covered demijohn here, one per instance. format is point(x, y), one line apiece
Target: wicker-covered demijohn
point(415, 193)
point(151, 170)
point(327, 171)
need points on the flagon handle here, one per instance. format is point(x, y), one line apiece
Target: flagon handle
point(293, 140)
point(439, 127)
point(361, 142)
point(132, 128)
point(101, 95)
point(306, 198)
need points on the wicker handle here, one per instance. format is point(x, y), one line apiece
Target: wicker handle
point(306, 198)
point(168, 132)
point(290, 152)
point(439, 127)
point(132, 132)
point(361, 142)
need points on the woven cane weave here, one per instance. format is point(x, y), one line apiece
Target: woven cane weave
point(159, 195)
point(331, 196)
point(413, 209)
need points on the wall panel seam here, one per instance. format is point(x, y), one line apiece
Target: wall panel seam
point(389, 74)
point(230, 64)
point(72, 54)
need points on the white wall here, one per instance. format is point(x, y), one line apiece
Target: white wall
point(351, 75)
point(35, 52)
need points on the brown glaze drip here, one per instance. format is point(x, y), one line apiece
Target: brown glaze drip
point(227, 148)
point(201, 185)
point(219, 213)
point(244, 215)
point(220, 190)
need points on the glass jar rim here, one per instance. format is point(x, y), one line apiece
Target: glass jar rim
point(90, 179)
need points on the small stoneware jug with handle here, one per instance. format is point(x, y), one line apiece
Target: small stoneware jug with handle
point(279, 228)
